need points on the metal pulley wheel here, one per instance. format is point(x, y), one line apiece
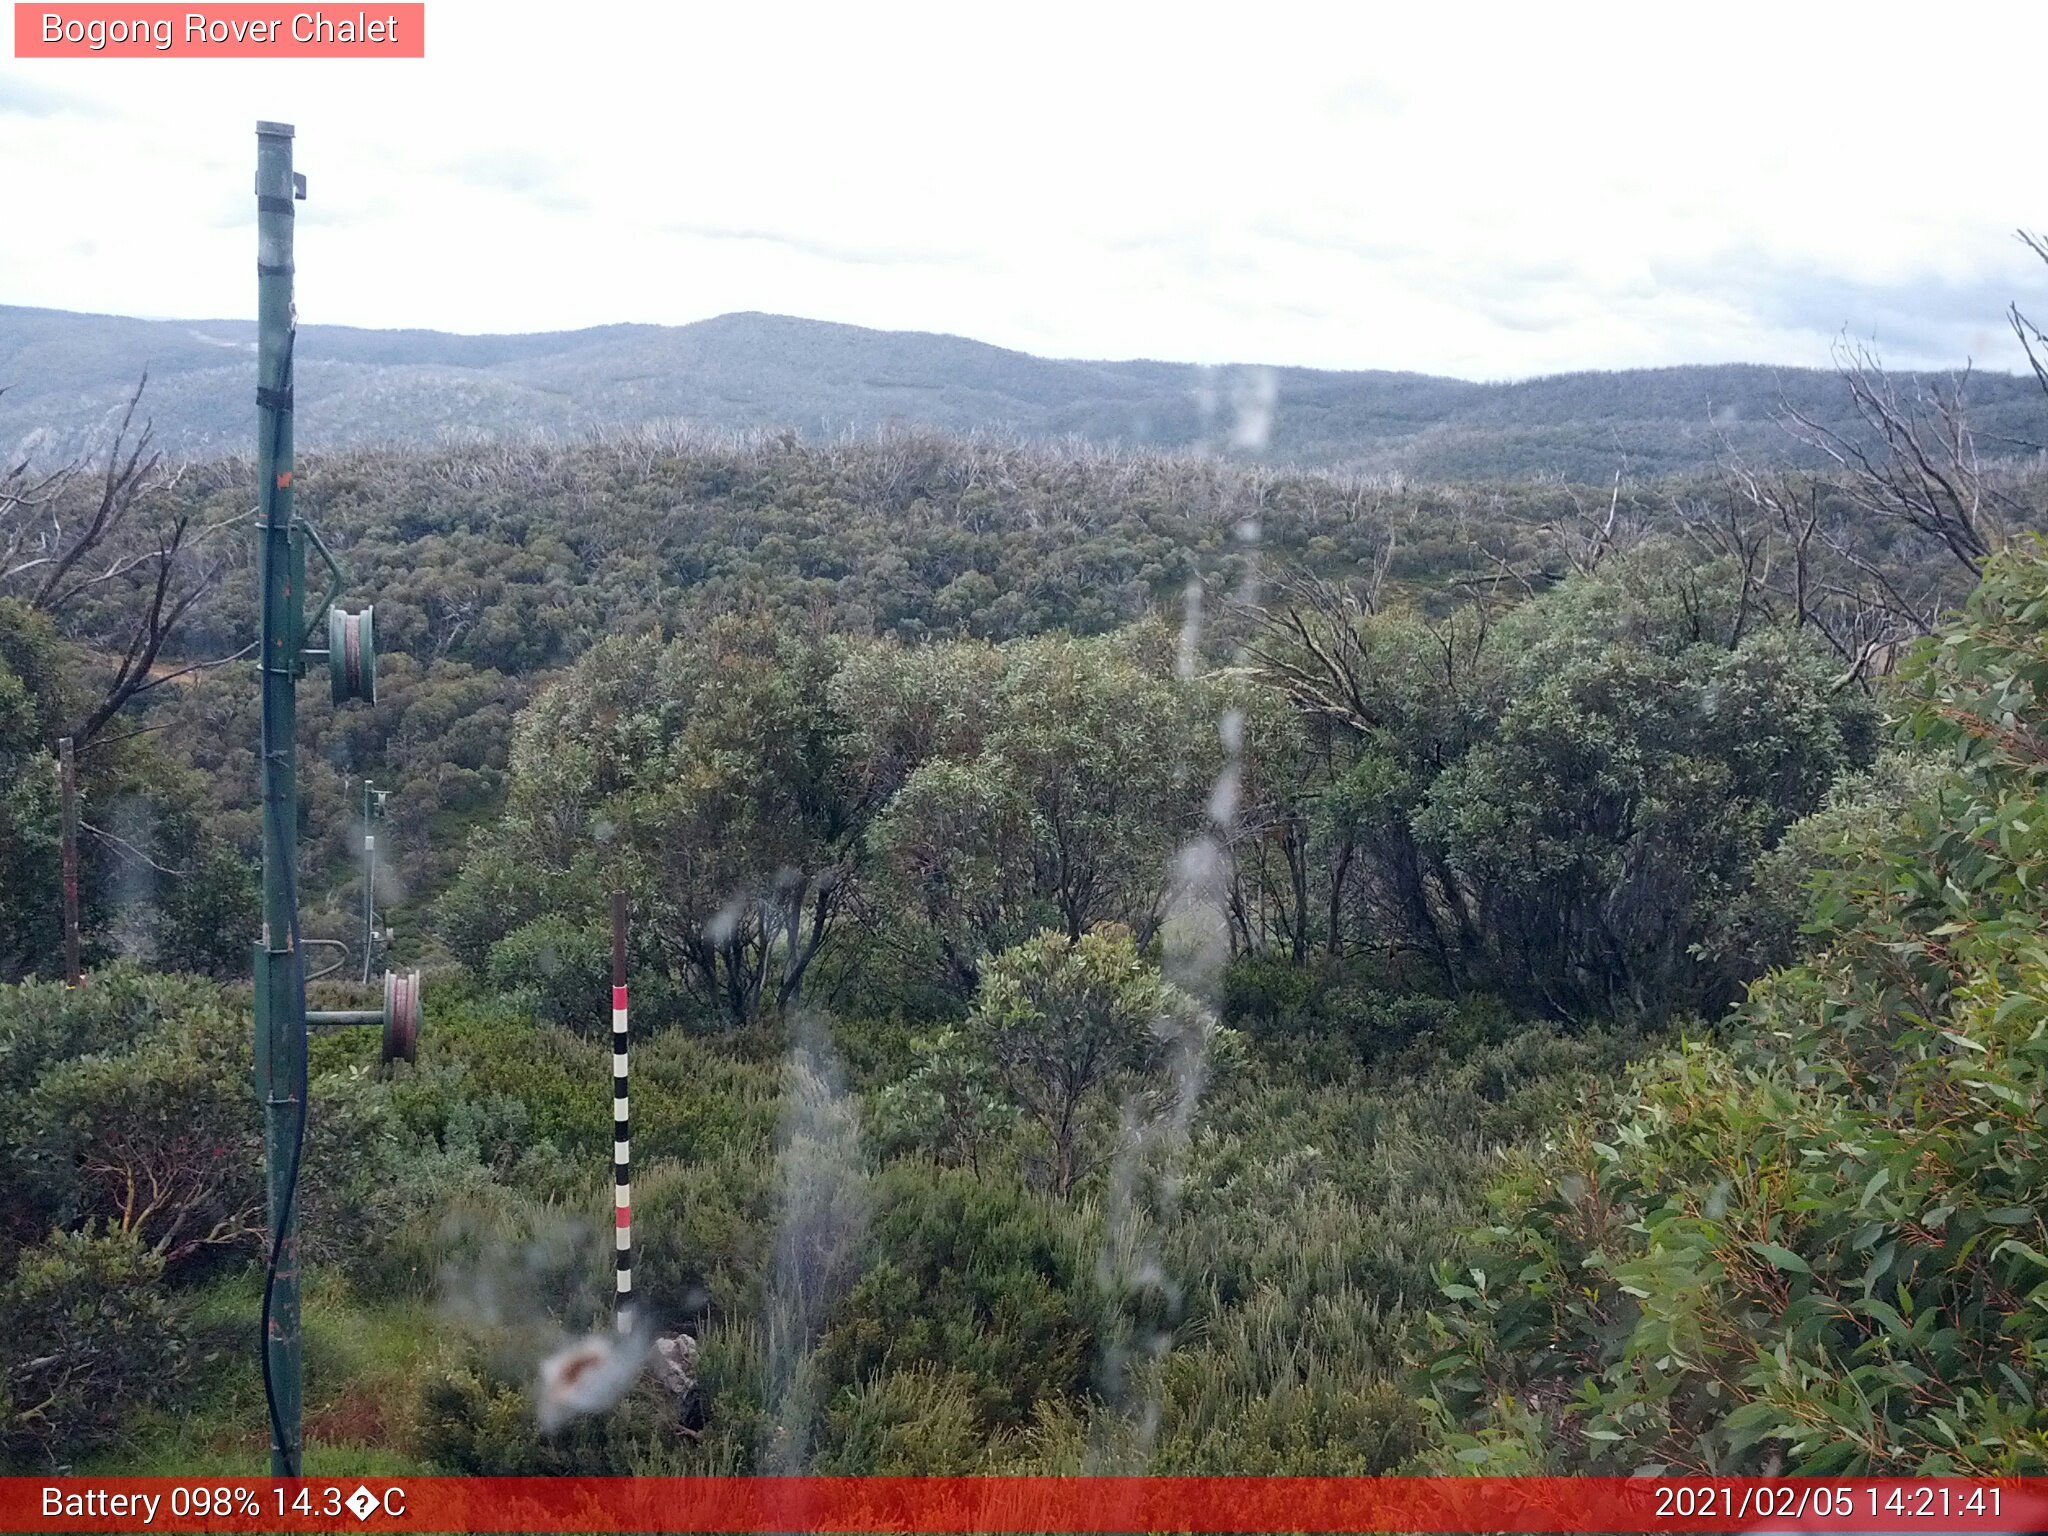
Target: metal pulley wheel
point(352, 655)
point(401, 1015)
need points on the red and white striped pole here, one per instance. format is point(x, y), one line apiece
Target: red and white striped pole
point(622, 1154)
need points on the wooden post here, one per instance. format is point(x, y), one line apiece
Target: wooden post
point(67, 774)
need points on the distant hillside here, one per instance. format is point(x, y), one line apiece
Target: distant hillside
point(65, 374)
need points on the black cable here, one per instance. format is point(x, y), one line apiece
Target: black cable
point(272, 810)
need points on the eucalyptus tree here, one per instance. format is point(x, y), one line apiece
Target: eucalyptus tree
point(1085, 766)
point(1561, 800)
point(702, 775)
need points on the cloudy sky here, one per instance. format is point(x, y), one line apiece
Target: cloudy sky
point(1487, 191)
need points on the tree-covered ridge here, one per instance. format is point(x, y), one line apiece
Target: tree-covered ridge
point(61, 372)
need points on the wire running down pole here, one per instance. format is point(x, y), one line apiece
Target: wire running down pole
point(369, 877)
point(622, 1145)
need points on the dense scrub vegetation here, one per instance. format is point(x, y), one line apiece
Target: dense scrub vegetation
point(1816, 1243)
point(1139, 963)
point(494, 568)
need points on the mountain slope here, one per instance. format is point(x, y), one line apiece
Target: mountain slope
point(65, 375)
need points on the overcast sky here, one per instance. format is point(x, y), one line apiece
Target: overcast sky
point(1490, 192)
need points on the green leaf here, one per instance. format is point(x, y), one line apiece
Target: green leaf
point(1783, 1258)
point(2026, 1250)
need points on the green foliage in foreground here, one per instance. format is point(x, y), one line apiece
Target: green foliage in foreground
point(1818, 1247)
point(92, 1339)
point(1817, 1235)
point(454, 1233)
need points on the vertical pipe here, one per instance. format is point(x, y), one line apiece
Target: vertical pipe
point(622, 1146)
point(369, 881)
point(67, 782)
point(280, 991)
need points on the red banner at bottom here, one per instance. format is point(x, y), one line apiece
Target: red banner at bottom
point(1024, 1504)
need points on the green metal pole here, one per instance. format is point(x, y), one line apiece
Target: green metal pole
point(67, 791)
point(280, 988)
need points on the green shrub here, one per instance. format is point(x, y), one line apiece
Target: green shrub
point(560, 1081)
point(43, 1023)
point(475, 1411)
point(1076, 1036)
point(159, 1136)
point(1765, 923)
point(701, 1236)
point(1264, 992)
point(1321, 1421)
point(949, 1105)
point(204, 918)
point(699, 1099)
point(1819, 1246)
point(923, 1422)
point(388, 1158)
point(987, 1282)
point(558, 970)
point(91, 1339)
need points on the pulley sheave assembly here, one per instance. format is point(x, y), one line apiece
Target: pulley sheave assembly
point(400, 1016)
point(352, 655)
point(401, 1012)
point(351, 637)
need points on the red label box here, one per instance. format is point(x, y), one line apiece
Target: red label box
point(226, 31)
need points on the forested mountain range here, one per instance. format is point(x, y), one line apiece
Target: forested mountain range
point(64, 375)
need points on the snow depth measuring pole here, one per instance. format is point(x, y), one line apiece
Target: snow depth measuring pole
point(622, 1125)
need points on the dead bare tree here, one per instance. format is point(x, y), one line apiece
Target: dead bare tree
point(1868, 551)
point(1800, 551)
point(1812, 549)
point(73, 537)
point(1920, 465)
point(1308, 641)
point(2030, 335)
point(1587, 538)
point(1530, 556)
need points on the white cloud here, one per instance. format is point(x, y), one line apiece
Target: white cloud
point(1488, 191)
